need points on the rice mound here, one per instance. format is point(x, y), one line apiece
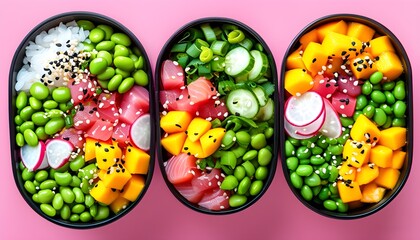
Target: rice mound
point(65, 38)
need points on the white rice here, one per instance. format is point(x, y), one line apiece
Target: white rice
point(44, 50)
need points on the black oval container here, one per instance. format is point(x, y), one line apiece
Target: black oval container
point(405, 170)
point(162, 152)
point(17, 63)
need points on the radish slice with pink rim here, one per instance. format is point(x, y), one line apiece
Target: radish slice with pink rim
point(291, 130)
point(140, 132)
point(332, 124)
point(58, 152)
point(34, 158)
point(305, 109)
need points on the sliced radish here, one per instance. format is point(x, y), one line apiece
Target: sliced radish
point(58, 152)
point(291, 130)
point(305, 109)
point(313, 128)
point(34, 158)
point(140, 132)
point(332, 124)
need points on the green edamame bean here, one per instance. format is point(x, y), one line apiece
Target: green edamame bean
point(264, 157)
point(41, 175)
point(55, 113)
point(316, 190)
point(367, 88)
point(376, 77)
point(75, 181)
point(296, 180)
point(399, 108)
point(356, 114)
point(39, 91)
point(105, 55)
point(85, 186)
point(330, 205)
point(74, 217)
point(261, 173)
point(336, 149)
point(304, 170)
point(141, 78)
point(388, 122)
point(103, 213)
point(256, 187)
point(121, 38)
point(306, 193)
point(244, 185)
point(230, 182)
point(347, 121)
point(378, 96)
point(27, 175)
point(124, 74)
point(377, 87)
point(139, 64)
point(48, 184)
point(388, 86)
point(313, 180)
point(65, 106)
point(40, 118)
point(26, 113)
point(107, 74)
point(126, 85)
point(324, 173)
point(45, 196)
point(20, 140)
point(35, 103)
point(269, 132)
point(78, 208)
point(21, 166)
point(361, 102)
point(398, 122)
point(107, 29)
point(77, 163)
point(289, 149)
point(317, 160)
point(134, 58)
point(79, 196)
point(237, 200)
point(48, 210)
point(35, 198)
point(54, 125)
point(387, 109)
point(29, 187)
point(63, 179)
point(89, 201)
point(369, 111)
point(379, 117)
point(88, 47)
point(124, 63)
point(121, 50)
point(251, 154)
point(98, 65)
point(57, 201)
point(21, 100)
point(105, 46)
point(324, 194)
point(399, 90)
point(96, 35)
point(67, 194)
point(304, 161)
point(85, 24)
point(303, 152)
point(243, 138)
point(115, 82)
point(342, 207)
point(65, 212)
point(239, 172)
point(93, 210)
point(239, 151)
point(249, 168)
point(61, 94)
point(40, 132)
point(390, 99)
point(258, 141)
point(18, 120)
point(333, 189)
point(85, 217)
point(292, 163)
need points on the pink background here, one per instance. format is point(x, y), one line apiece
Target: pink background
point(278, 215)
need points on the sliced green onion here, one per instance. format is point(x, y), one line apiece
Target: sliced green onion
point(247, 43)
point(236, 36)
point(220, 47)
point(194, 51)
point(227, 28)
point(180, 47)
point(218, 31)
point(69, 121)
point(206, 54)
point(216, 123)
point(191, 35)
point(208, 32)
point(204, 69)
point(182, 59)
point(201, 43)
point(259, 47)
point(268, 88)
point(218, 64)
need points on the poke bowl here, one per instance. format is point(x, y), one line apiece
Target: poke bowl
point(216, 90)
point(347, 129)
point(80, 122)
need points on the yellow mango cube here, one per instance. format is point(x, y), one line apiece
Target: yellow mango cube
point(347, 172)
point(311, 36)
point(136, 161)
point(297, 81)
point(106, 154)
point(363, 66)
point(337, 27)
point(365, 130)
point(212, 140)
point(349, 192)
point(101, 173)
point(119, 204)
point(197, 128)
point(116, 176)
point(173, 142)
point(314, 57)
point(89, 149)
point(360, 31)
point(393, 137)
point(390, 65)
point(103, 194)
point(381, 156)
point(356, 153)
point(333, 65)
point(133, 188)
point(388, 177)
point(366, 174)
point(294, 60)
point(340, 45)
point(175, 121)
point(379, 45)
point(398, 159)
point(372, 193)
point(193, 148)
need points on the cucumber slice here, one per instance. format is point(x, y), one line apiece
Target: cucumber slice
point(260, 65)
point(238, 61)
point(242, 102)
point(266, 112)
point(260, 94)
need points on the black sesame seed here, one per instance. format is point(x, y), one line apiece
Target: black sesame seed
point(185, 148)
point(195, 134)
point(214, 140)
point(343, 53)
point(178, 125)
point(314, 60)
point(104, 160)
point(106, 149)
